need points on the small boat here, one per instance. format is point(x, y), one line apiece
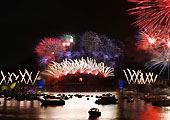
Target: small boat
point(163, 102)
point(9, 98)
point(97, 96)
point(125, 97)
point(52, 101)
point(148, 98)
point(94, 113)
point(130, 100)
point(78, 95)
point(107, 99)
point(20, 98)
point(66, 97)
point(155, 98)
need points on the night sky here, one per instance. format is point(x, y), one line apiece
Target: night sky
point(25, 22)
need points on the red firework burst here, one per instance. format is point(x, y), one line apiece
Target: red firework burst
point(146, 41)
point(49, 47)
point(154, 45)
point(153, 15)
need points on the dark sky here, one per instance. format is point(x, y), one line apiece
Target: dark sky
point(25, 22)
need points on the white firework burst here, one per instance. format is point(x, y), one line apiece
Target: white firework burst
point(83, 66)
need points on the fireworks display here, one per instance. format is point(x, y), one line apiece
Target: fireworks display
point(21, 78)
point(90, 44)
point(65, 55)
point(101, 48)
point(68, 41)
point(158, 48)
point(153, 15)
point(90, 41)
point(160, 61)
point(49, 48)
point(82, 66)
point(153, 20)
point(137, 77)
point(68, 37)
point(149, 43)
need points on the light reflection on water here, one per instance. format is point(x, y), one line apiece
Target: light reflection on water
point(77, 109)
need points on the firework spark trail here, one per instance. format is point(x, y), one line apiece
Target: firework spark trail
point(3, 78)
point(78, 65)
point(160, 61)
point(21, 74)
point(10, 77)
point(153, 15)
point(139, 78)
point(153, 18)
point(154, 45)
point(158, 48)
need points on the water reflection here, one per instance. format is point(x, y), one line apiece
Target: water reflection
point(77, 109)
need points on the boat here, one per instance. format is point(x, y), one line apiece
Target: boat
point(53, 101)
point(94, 113)
point(155, 98)
point(162, 102)
point(20, 97)
point(130, 100)
point(107, 99)
point(78, 95)
point(125, 97)
point(9, 98)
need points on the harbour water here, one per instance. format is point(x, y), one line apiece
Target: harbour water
point(77, 109)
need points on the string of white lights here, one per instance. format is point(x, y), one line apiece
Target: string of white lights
point(139, 77)
point(21, 75)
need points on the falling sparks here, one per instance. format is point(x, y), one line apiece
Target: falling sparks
point(139, 77)
point(7, 80)
point(159, 50)
point(160, 61)
point(153, 19)
point(82, 66)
